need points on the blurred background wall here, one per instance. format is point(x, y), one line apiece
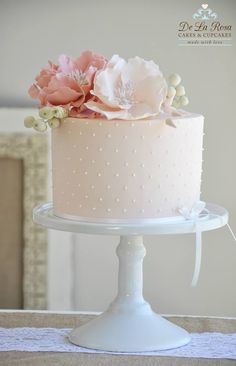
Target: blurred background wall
point(83, 268)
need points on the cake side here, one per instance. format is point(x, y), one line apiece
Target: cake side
point(113, 169)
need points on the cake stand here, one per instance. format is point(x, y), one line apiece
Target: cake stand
point(130, 324)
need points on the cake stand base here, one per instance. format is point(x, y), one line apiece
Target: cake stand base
point(128, 331)
point(129, 324)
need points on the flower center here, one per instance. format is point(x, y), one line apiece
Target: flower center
point(124, 94)
point(78, 76)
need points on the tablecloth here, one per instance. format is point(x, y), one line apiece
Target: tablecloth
point(68, 320)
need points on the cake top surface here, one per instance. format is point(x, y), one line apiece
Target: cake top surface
point(90, 86)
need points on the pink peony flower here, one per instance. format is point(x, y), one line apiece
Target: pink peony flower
point(128, 90)
point(69, 83)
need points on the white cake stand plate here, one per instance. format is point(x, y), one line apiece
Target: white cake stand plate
point(129, 324)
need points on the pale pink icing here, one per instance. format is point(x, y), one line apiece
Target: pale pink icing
point(126, 169)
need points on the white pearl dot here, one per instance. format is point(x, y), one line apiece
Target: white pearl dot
point(86, 123)
point(94, 208)
point(100, 123)
point(78, 185)
point(108, 163)
point(85, 173)
point(80, 206)
point(80, 133)
point(108, 135)
point(80, 159)
point(100, 149)
point(93, 161)
point(108, 210)
point(126, 163)
point(150, 201)
point(125, 188)
point(74, 171)
point(133, 175)
point(86, 196)
point(108, 186)
point(86, 148)
point(117, 199)
point(133, 200)
point(117, 124)
point(92, 187)
point(132, 124)
point(117, 174)
point(94, 134)
point(116, 150)
point(100, 199)
point(142, 137)
point(134, 151)
point(142, 165)
point(72, 194)
point(99, 174)
point(124, 210)
point(125, 137)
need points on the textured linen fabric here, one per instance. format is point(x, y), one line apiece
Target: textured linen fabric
point(46, 319)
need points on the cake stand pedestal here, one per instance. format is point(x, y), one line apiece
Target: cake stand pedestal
point(129, 324)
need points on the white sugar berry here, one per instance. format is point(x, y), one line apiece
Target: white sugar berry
point(54, 122)
point(175, 79)
point(60, 112)
point(46, 112)
point(171, 92)
point(184, 100)
point(29, 121)
point(180, 91)
point(39, 125)
point(176, 104)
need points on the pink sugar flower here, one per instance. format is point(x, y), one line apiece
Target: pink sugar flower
point(69, 83)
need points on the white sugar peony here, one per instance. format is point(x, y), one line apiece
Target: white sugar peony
point(128, 90)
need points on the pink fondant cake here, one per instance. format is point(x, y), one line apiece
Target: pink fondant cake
point(128, 169)
point(122, 149)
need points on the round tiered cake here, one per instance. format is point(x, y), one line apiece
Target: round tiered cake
point(122, 147)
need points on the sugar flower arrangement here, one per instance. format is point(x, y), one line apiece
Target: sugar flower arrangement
point(90, 86)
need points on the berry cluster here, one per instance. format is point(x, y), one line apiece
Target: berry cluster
point(49, 116)
point(176, 92)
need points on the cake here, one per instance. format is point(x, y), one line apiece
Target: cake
point(122, 147)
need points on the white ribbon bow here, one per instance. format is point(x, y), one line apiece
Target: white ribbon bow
point(198, 210)
point(194, 214)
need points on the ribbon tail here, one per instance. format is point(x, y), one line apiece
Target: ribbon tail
point(231, 231)
point(198, 256)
